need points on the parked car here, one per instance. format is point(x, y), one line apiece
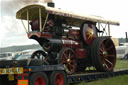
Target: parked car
point(6, 56)
point(122, 51)
point(30, 54)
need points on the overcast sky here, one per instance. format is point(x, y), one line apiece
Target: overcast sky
point(13, 33)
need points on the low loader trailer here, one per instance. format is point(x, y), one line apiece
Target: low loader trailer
point(36, 74)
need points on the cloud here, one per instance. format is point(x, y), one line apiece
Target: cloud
point(9, 7)
point(12, 32)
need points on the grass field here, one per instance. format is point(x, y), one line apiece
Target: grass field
point(119, 80)
point(121, 64)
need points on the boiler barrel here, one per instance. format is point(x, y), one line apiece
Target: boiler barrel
point(56, 44)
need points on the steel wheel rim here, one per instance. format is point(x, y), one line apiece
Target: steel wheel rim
point(59, 80)
point(107, 54)
point(89, 33)
point(40, 55)
point(40, 81)
point(69, 60)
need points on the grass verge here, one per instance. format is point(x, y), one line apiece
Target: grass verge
point(119, 80)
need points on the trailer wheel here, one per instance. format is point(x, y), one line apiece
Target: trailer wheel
point(39, 78)
point(103, 54)
point(58, 78)
point(40, 55)
point(68, 58)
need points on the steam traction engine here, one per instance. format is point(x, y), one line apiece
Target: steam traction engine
point(76, 48)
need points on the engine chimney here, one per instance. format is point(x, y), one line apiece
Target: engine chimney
point(51, 4)
point(126, 37)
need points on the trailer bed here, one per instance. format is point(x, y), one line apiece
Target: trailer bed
point(90, 76)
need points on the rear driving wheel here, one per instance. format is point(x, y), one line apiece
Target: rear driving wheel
point(68, 58)
point(103, 54)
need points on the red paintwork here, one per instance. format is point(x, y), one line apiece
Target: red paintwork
point(74, 34)
point(46, 35)
point(40, 81)
point(23, 75)
point(71, 43)
point(34, 34)
point(59, 80)
point(40, 35)
point(81, 53)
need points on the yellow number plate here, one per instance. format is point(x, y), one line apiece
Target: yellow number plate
point(18, 70)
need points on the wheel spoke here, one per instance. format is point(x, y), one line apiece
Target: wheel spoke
point(37, 55)
point(72, 56)
point(101, 50)
point(111, 55)
point(69, 55)
point(71, 66)
point(65, 55)
point(108, 61)
point(106, 66)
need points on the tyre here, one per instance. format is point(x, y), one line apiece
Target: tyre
point(68, 57)
point(58, 78)
point(39, 78)
point(103, 54)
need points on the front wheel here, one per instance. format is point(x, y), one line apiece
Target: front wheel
point(68, 58)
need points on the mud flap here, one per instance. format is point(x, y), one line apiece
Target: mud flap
point(22, 82)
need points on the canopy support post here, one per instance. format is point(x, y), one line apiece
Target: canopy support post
point(28, 20)
point(99, 27)
point(108, 29)
point(24, 26)
point(45, 20)
point(40, 19)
